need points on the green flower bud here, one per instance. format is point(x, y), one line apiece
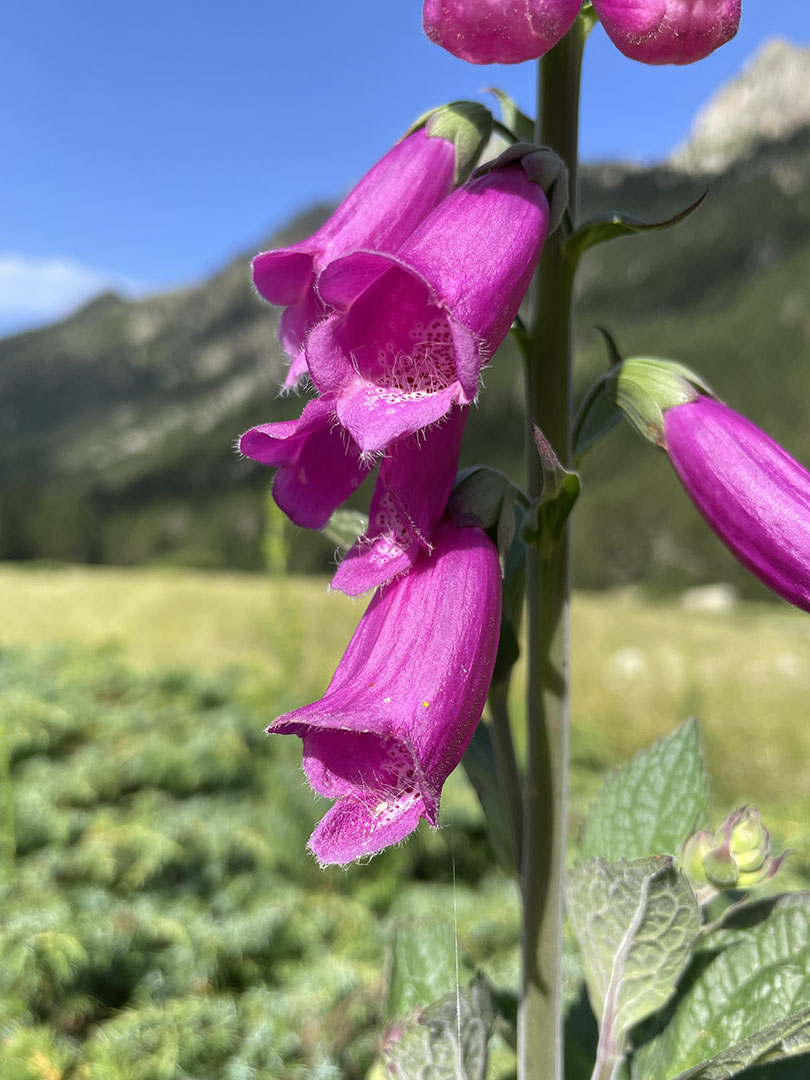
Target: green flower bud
point(736, 856)
point(645, 387)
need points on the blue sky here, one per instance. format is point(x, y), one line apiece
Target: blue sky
point(145, 144)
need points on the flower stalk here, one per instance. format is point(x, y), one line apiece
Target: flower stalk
point(548, 586)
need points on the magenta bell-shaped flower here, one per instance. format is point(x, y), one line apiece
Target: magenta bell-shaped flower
point(498, 31)
point(668, 31)
point(752, 493)
point(411, 331)
point(379, 213)
point(405, 699)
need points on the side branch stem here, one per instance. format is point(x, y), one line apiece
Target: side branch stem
point(548, 587)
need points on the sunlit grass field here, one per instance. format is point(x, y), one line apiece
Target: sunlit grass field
point(639, 665)
point(160, 916)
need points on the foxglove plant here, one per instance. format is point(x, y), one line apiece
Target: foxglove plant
point(405, 699)
point(395, 328)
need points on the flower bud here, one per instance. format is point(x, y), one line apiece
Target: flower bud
point(736, 856)
point(668, 31)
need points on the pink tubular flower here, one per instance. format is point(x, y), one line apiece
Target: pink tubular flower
point(384, 208)
point(668, 31)
point(405, 699)
point(498, 31)
point(753, 494)
point(411, 331)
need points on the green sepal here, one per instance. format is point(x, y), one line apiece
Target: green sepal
point(466, 124)
point(344, 527)
point(597, 415)
point(547, 515)
point(613, 225)
point(645, 387)
point(514, 120)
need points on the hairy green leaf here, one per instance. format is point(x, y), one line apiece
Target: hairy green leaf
point(636, 923)
point(750, 1005)
point(423, 967)
point(650, 805)
point(447, 1041)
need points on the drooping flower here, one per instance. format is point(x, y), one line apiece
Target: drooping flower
point(668, 31)
point(405, 699)
point(498, 31)
point(411, 331)
point(750, 491)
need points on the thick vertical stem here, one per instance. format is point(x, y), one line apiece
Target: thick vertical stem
point(548, 405)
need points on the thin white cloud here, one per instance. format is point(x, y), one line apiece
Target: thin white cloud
point(36, 291)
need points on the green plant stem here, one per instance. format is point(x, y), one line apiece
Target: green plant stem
point(506, 765)
point(548, 405)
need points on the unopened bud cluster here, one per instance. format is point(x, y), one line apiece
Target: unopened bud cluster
point(736, 856)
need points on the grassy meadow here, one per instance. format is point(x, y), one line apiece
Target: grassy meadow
point(160, 917)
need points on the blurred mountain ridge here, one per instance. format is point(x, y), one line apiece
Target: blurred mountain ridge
point(121, 421)
point(770, 99)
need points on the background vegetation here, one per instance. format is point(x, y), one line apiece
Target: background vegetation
point(159, 917)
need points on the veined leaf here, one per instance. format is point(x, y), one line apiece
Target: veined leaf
point(750, 1005)
point(447, 1041)
point(650, 805)
point(636, 923)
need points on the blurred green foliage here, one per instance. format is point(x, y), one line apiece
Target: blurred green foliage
point(159, 917)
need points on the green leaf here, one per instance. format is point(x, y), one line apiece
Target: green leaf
point(548, 514)
point(650, 805)
point(447, 1041)
point(636, 923)
point(750, 1005)
point(518, 123)
point(423, 966)
point(596, 417)
point(482, 772)
point(611, 226)
point(344, 527)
